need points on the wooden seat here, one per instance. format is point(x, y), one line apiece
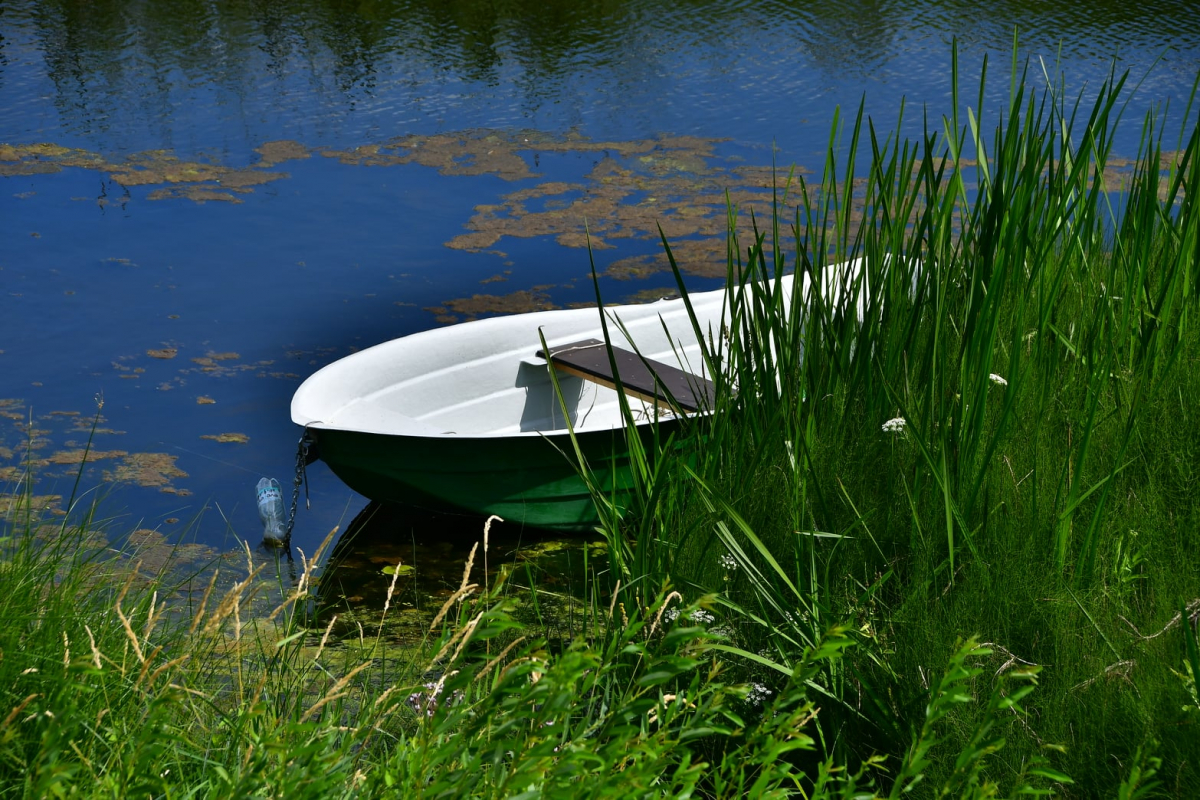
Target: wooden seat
point(669, 387)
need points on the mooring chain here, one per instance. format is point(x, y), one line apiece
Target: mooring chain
point(300, 478)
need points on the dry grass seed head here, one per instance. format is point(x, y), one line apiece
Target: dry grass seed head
point(146, 666)
point(503, 653)
point(661, 609)
point(535, 676)
point(133, 573)
point(17, 710)
point(383, 697)
point(487, 527)
point(203, 603)
point(387, 603)
point(129, 634)
point(150, 617)
point(470, 563)
point(164, 667)
point(95, 650)
point(228, 603)
point(335, 692)
point(325, 637)
point(468, 631)
point(462, 593)
point(461, 637)
point(613, 603)
point(237, 620)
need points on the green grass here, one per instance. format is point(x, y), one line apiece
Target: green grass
point(116, 683)
point(1035, 329)
point(998, 600)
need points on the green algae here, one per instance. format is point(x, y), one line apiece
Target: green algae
point(152, 470)
point(194, 180)
point(227, 438)
point(522, 301)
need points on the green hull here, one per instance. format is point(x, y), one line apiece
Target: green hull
point(530, 480)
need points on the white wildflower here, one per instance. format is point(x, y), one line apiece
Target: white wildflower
point(895, 425)
point(996, 379)
point(699, 615)
point(426, 702)
point(727, 562)
point(758, 694)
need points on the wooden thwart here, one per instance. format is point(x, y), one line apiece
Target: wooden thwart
point(671, 388)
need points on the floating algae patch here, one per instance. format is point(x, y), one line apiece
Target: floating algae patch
point(472, 152)
point(519, 302)
point(197, 194)
point(12, 408)
point(675, 187)
point(163, 353)
point(705, 258)
point(45, 157)
point(219, 365)
point(24, 503)
point(156, 167)
point(209, 359)
point(651, 295)
point(157, 553)
point(272, 153)
point(679, 184)
point(148, 469)
point(204, 400)
point(80, 455)
point(238, 438)
point(507, 154)
point(194, 180)
point(94, 423)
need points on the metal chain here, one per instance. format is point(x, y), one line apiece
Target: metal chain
point(301, 478)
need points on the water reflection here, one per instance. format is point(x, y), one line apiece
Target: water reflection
point(178, 69)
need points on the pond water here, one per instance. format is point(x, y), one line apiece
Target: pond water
point(201, 203)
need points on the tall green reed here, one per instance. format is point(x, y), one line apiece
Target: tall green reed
point(1019, 296)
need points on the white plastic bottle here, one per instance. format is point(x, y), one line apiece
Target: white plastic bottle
point(270, 510)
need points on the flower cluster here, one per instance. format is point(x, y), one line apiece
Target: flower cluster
point(727, 562)
point(758, 694)
point(699, 615)
point(895, 425)
point(426, 702)
point(998, 380)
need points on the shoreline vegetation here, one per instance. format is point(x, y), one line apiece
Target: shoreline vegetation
point(938, 539)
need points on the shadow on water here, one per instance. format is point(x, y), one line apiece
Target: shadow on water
point(419, 556)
